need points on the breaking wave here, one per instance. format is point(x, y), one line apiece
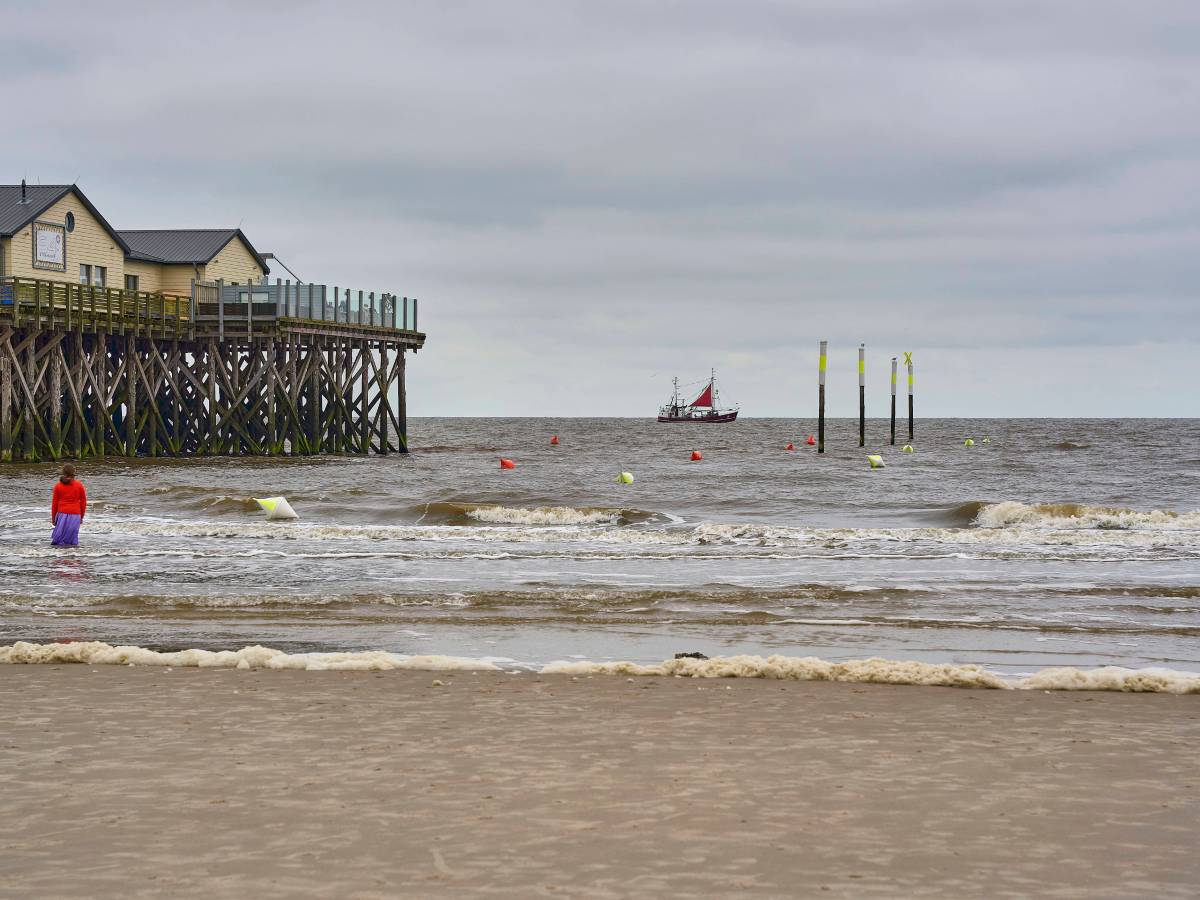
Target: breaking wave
point(553, 515)
point(1078, 515)
point(783, 668)
point(1003, 528)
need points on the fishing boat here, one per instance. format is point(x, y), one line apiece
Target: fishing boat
point(703, 409)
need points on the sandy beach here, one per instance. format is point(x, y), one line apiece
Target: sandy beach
point(149, 782)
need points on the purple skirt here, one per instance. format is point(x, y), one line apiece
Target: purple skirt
point(66, 530)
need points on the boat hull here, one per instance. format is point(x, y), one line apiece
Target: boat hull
point(716, 419)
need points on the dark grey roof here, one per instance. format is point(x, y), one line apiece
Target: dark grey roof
point(184, 245)
point(15, 215)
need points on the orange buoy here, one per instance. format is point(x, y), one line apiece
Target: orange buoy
point(507, 463)
point(790, 446)
point(811, 441)
point(696, 457)
point(553, 440)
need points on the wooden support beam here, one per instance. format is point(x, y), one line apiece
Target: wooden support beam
point(401, 405)
point(6, 400)
point(55, 406)
point(29, 451)
point(131, 398)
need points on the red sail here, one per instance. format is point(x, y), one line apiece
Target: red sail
point(704, 399)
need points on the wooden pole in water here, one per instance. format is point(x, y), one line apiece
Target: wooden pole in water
point(893, 401)
point(862, 395)
point(821, 400)
point(908, 360)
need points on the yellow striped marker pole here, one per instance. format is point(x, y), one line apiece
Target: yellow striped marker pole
point(893, 401)
point(862, 395)
point(821, 399)
point(908, 362)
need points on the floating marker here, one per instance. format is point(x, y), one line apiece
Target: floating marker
point(507, 463)
point(821, 363)
point(893, 441)
point(811, 441)
point(696, 456)
point(790, 446)
point(862, 395)
point(907, 448)
point(876, 461)
point(625, 478)
point(968, 443)
point(987, 440)
point(554, 440)
point(277, 508)
point(908, 361)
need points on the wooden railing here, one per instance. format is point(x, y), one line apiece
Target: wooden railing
point(34, 302)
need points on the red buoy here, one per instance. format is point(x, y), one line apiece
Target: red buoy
point(507, 463)
point(696, 456)
point(790, 446)
point(811, 441)
point(553, 440)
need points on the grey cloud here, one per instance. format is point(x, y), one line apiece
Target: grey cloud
point(629, 189)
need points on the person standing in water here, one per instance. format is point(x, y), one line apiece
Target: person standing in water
point(67, 508)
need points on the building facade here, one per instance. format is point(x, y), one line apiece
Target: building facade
point(53, 232)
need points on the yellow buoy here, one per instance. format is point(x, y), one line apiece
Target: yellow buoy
point(968, 443)
point(625, 478)
point(907, 448)
point(876, 461)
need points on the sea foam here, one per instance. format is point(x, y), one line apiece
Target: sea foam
point(891, 671)
point(794, 668)
point(256, 657)
point(781, 668)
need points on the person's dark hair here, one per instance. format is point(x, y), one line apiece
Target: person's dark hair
point(68, 474)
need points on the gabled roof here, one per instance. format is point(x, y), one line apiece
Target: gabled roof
point(186, 246)
point(15, 215)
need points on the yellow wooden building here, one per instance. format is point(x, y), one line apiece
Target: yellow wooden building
point(53, 232)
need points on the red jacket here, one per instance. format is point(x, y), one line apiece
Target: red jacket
point(68, 498)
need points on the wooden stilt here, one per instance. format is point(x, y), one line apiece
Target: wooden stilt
point(6, 401)
point(55, 411)
point(75, 378)
point(87, 372)
point(29, 450)
point(401, 405)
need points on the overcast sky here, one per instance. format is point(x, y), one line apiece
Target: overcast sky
point(591, 197)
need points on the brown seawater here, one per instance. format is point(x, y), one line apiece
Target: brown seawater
point(1059, 542)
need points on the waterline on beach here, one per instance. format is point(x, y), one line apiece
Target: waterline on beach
point(782, 668)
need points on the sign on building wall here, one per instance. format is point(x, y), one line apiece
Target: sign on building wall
point(49, 246)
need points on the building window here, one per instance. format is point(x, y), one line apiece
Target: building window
point(131, 282)
point(70, 221)
point(99, 276)
point(85, 274)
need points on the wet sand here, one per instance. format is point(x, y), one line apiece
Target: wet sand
point(147, 782)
